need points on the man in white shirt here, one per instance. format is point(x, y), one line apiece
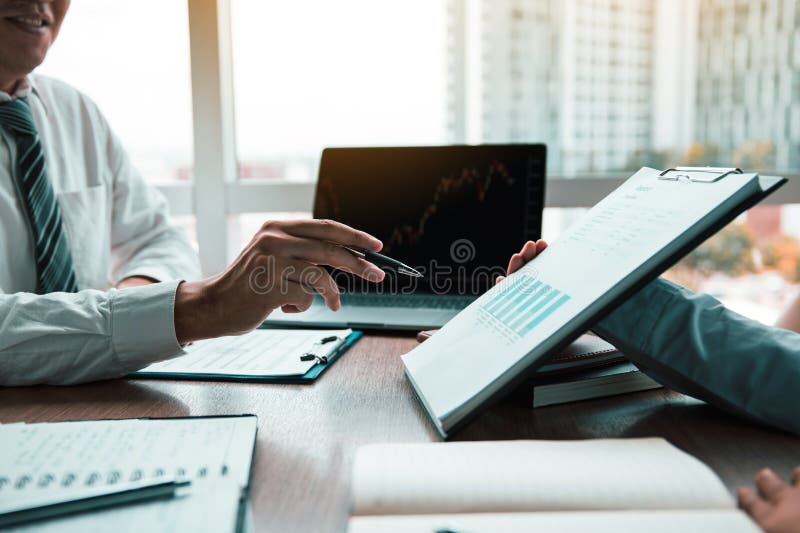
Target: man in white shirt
point(91, 267)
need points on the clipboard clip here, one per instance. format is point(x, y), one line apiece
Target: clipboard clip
point(321, 359)
point(698, 174)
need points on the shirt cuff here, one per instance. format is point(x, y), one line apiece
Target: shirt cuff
point(143, 325)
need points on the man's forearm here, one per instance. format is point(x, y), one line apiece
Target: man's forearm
point(692, 343)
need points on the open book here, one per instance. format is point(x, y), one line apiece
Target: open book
point(592, 485)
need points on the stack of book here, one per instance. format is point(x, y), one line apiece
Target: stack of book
point(588, 368)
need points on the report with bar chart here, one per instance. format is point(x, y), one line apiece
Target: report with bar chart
point(521, 306)
point(518, 323)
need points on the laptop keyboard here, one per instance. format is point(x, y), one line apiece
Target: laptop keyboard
point(408, 300)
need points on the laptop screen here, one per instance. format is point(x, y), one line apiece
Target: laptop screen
point(455, 213)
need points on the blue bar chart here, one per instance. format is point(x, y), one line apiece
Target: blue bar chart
point(522, 305)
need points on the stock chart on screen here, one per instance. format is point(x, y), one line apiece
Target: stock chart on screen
point(455, 213)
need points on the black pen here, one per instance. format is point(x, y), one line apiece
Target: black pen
point(71, 502)
point(384, 262)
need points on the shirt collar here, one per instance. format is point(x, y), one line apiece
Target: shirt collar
point(24, 88)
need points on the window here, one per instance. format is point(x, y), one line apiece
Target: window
point(752, 265)
point(312, 73)
point(679, 55)
point(132, 59)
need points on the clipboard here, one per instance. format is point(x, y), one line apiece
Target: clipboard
point(644, 275)
point(308, 378)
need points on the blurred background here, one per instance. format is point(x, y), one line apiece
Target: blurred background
point(608, 85)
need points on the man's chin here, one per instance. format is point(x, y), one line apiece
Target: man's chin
point(22, 51)
point(20, 65)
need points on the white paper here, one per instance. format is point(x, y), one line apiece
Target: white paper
point(518, 476)
point(262, 352)
point(522, 318)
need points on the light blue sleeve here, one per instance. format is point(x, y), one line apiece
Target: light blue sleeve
point(691, 343)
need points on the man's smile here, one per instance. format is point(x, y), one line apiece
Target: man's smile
point(33, 23)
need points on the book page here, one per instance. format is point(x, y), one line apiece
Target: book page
point(579, 522)
point(64, 455)
point(514, 476)
point(521, 319)
point(261, 352)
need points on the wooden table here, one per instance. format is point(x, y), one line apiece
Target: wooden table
point(308, 435)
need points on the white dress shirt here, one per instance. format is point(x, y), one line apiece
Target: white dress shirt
point(116, 225)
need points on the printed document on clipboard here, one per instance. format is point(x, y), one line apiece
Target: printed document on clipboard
point(625, 241)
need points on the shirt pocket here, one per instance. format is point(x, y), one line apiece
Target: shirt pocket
point(86, 215)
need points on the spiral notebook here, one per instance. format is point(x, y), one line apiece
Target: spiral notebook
point(263, 355)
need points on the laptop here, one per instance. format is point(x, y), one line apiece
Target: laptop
point(455, 213)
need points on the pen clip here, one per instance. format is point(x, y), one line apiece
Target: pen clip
point(321, 359)
point(355, 251)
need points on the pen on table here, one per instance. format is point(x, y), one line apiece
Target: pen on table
point(12, 513)
point(384, 262)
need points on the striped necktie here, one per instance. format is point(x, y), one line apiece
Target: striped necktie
point(54, 268)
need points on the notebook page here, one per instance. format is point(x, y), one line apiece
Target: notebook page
point(58, 456)
point(262, 352)
point(207, 506)
point(513, 476)
point(579, 522)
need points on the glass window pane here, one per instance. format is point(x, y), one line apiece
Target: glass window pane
point(611, 85)
point(189, 224)
point(132, 58)
point(752, 266)
point(314, 73)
